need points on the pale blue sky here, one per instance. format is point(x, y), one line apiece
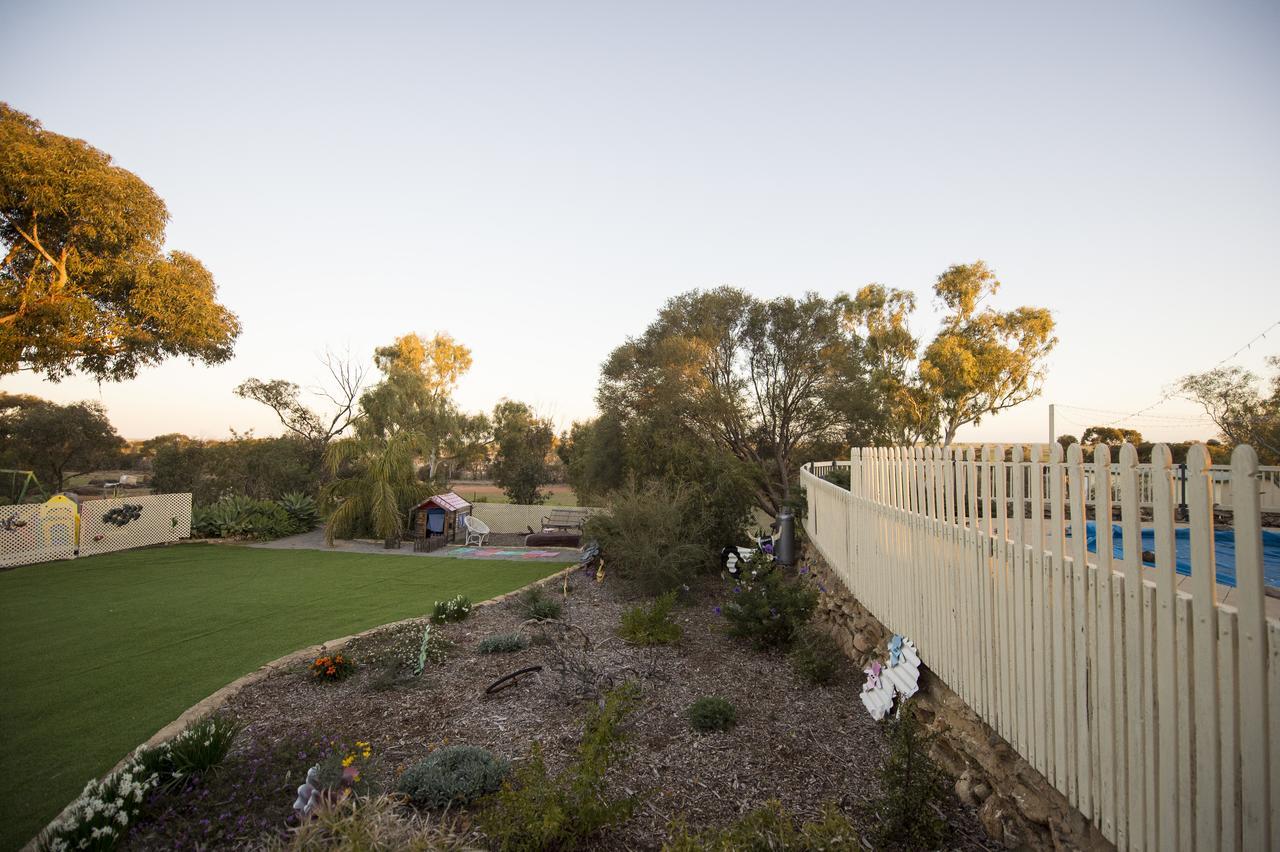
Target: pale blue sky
point(537, 178)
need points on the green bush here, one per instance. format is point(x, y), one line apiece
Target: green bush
point(262, 468)
point(537, 604)
point(711, 714)
point(301, 509)
point(911, 785)
point(767, 607)
point(816, 657)
point(839, 476)
point(202, 747)
point(652, 537)
point(535, 811)
point(453, 775)
point(770, 829)
point(652, 624)
point(502, 643)
point(455, 609)
point(239, 516)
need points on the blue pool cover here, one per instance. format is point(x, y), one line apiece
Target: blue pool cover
point(1224, 547)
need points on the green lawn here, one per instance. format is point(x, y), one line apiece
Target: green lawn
point(103, 652)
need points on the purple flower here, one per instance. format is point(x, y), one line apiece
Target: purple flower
point(804, 569)
point(717, 610)
point(737, 589)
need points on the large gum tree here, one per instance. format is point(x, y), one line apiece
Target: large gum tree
point(85, 282)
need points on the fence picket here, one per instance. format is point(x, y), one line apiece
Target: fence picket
point(1156, 711)
point(1255, 810)
point(1205, 632)
point(1130, 518)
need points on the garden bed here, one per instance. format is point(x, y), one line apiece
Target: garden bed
point(802, 745)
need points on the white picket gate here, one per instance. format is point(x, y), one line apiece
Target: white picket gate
point(1154, 709)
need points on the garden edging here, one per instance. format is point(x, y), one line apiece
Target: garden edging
point(217, 699)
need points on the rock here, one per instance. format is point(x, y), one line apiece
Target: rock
point(981, 791)
point(863, 642)
point(964, 790)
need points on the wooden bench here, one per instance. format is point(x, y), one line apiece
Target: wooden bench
point(564, 519)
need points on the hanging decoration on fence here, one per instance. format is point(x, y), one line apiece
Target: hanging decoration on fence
point(121, 515)
point(900, 677)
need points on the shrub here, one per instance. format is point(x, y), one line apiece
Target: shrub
point(239, 516)
point(202, 746)
point(331, 667)
point(105, 810)
point(771, 828)
point(652, 537)
point(456, 608)
point(652, 624)
point(839, 475)
point(536, 604)
point(371, 824)
point(535, 812)
point(711, 714)
point(301, 509)
point(767, 607)
point(816, 657)
point(502, 643)
point(911, 785)
point(453, 775)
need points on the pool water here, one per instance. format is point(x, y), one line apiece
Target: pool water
point(1224, 550)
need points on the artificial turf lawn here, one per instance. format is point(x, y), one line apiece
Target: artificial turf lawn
point(100, 653)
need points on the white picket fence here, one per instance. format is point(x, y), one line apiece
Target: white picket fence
point(1154, 709)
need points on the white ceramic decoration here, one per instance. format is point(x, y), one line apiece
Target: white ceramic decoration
point(308, 793)
point(900, 677)
point(877, 693)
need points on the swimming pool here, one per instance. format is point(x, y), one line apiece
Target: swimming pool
point(1224, 550)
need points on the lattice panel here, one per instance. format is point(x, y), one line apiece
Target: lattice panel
point(121, 523)
point(512, 517)
point(39, 532)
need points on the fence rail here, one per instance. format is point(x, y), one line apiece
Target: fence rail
point(1154, 709)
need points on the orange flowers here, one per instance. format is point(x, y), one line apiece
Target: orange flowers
point(332, 667)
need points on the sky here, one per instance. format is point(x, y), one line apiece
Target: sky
point(537, 179)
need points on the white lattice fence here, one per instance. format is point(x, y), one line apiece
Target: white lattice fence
point(512, 517)
point(122, 523)
point(39, 532)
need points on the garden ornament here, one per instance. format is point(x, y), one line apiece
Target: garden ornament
point(900, 678)
point(308, 794)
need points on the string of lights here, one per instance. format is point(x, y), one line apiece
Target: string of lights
point(1172, 392)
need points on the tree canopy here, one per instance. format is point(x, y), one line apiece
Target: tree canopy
point(1243, 413)
point(761, 380)
point(523, 441)
point(56, 440)
point(415, 395)
point(983, 360)
point(85, 282)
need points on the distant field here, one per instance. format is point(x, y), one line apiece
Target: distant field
point(487, 492)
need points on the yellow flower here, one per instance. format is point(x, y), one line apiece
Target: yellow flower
point(367, 752)
point(348, 760)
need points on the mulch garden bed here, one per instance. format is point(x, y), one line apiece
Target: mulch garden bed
point(796, 743)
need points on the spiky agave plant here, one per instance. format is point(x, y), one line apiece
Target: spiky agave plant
point(373, 482)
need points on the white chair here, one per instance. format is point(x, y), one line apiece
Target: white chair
point(477, 530)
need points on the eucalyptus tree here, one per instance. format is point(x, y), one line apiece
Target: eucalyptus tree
point(761, 380)
point(983, 360)
point(85, 282)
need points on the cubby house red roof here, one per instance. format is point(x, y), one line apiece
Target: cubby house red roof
point(448, 501)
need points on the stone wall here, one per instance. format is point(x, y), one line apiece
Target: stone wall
point(1016, 805)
